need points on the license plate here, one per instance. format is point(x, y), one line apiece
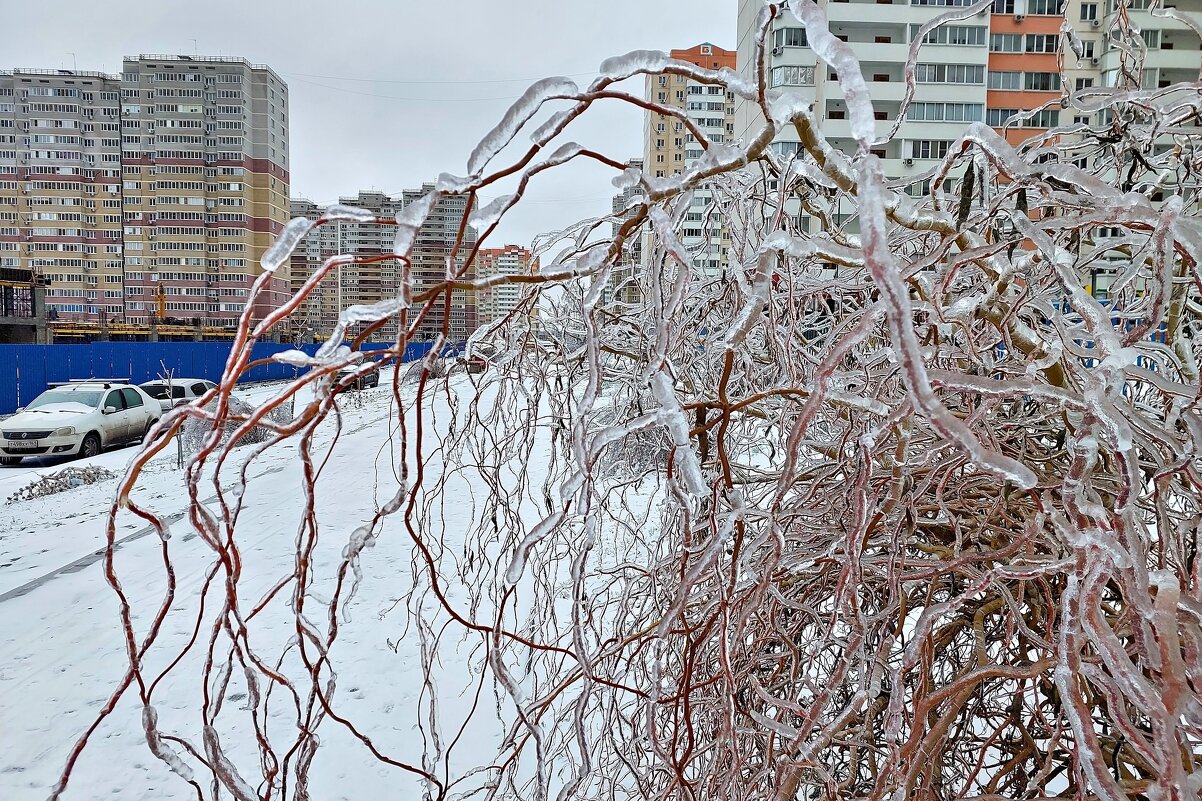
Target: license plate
point(17, 445)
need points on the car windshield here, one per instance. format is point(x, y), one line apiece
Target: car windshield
point(52, 397)
point(159, 391)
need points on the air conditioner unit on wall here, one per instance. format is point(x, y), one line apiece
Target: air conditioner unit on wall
point(776, 51)
point(1019, 17)
point(908, 162)
point(1096, 23)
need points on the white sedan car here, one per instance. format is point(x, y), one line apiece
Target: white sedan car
point(78, 418)
point(177, 391)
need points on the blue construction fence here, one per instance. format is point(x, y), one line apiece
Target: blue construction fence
point(27, 370)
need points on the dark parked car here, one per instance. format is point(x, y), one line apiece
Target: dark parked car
point(364, 381)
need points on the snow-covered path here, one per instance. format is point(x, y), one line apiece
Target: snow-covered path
point(61, 652)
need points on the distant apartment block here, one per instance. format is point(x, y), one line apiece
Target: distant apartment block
point(434, 254)
point(145, 200)
point(499, 301)
point(623, 283)
point(668, 147)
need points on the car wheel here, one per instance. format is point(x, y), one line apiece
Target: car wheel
point(146, 431)
point(90, 446)
point(10, 460)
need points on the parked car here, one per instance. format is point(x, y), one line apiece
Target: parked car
point(78, 418)
point(177, 391)
point(364, 381)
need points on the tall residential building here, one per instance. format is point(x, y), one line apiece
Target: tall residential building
point(205, 185)
point(60, 188)
point(668, 147)
point(989, 68)
point(319, 311)
point(434, 252)
point(623, 283)
point(147, 199)
point(497, 302)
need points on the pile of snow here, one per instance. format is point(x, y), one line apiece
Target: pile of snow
point(63, 480)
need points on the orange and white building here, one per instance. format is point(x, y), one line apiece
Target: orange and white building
point(1000, 66)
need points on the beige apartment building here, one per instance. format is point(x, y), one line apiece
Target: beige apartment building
point(60, 188)
point(434, 254)
point(668, 147)
point(146, 199)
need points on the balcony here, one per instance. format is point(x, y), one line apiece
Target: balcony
point(869, 13)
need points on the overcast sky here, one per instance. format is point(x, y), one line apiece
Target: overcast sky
point(386, 94)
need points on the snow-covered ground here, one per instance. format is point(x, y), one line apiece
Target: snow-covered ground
point(61, 651)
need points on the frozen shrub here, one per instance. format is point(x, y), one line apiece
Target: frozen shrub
point(61, 481)
point(925, 517)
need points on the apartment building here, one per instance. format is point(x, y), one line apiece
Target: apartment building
point(668, 147)
point(623, 284)
point(434, 255)
point(1000, 67)
point(319, 311)
point(498, 301)
point(145, 199)
point(60, 188)
point(205, 177)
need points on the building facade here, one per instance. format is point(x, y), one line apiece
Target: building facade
point(145, 200)
point(623, 284)
point(1000, 67)
point(497, 302)
point(60, 188)
point(434, 254)
point(668, 147)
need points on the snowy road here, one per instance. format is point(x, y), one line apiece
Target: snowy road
point(61, 652)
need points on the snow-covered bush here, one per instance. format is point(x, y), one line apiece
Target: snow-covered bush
point(61, 481)
point(197, 429)
point(928, 522)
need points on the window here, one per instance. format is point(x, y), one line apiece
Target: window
point(1003, 6)
point(1006, 43)
point(1041, 81)
point(1087, 50)
point(996, 117)
point(1081, 119)
point(1046, 8)
point(1042, 42)
point(114, 400)
point(1083, 83)
point(786, 149)
point(1089, 12)
point(1151, 38)
point(950, 73)
point(942, 2)
point(1048, 118)
point(789, 37)
point(132, 398)
point(929, 148)
point(945, 112)
point(1005, 80)
point(969, 35)
point(792, 76)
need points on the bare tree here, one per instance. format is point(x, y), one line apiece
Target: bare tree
point(892, 510)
